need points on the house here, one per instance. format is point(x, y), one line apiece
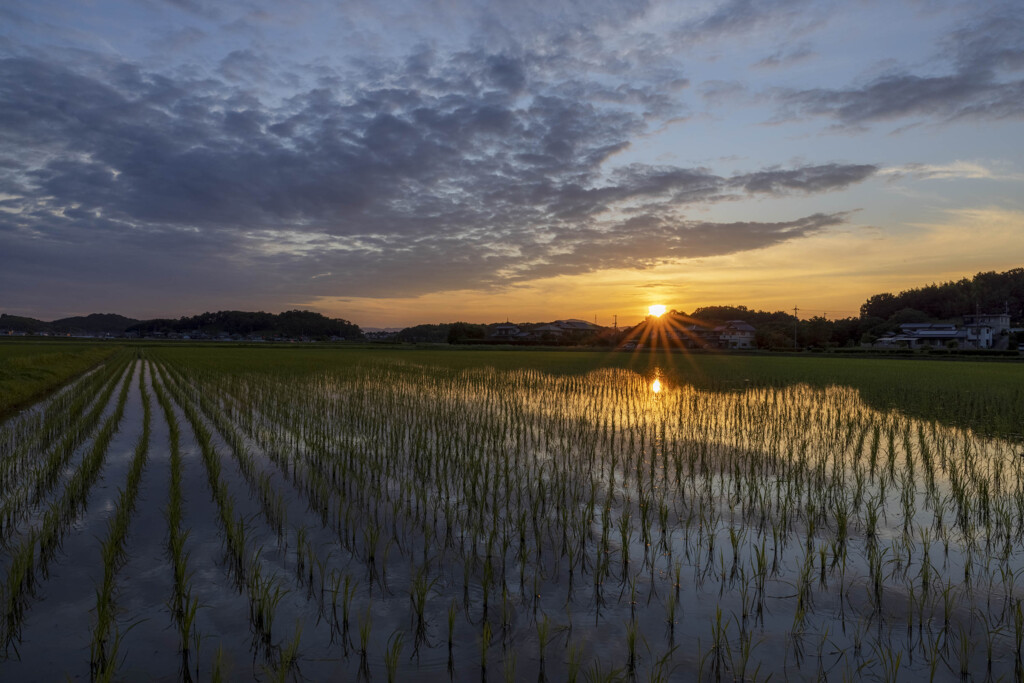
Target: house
point(549, 329)
point(735, 334)
point(505, 331)
point(576, 325)
point(925, 335)
point(979, 331)
point(988, 330)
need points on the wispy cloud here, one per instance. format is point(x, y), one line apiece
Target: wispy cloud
point(786, 56)
point(957, 170)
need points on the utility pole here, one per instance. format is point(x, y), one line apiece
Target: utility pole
point(616, 323)
point(796, 325)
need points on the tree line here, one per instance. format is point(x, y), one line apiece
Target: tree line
point(987, 292)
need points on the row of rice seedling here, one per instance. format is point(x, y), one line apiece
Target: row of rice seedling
point(325, 586)
point(264, 591)
point(37, 547)
point(105, 640)
point(31, 471)
point(547, 467)
point(31, 370)
point(330, 590)
point(271, 501)
point(485, 571)
point(42, 423)
point(414, 592)
point(183, 605)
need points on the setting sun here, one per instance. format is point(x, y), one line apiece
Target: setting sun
point(657, 310)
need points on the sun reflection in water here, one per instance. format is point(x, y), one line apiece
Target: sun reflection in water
point(656, 386)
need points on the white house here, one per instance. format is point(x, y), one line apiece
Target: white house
point(980, 331)
point(735, 334)
point(987, 330)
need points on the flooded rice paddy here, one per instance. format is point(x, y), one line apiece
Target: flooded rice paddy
point(391, 520)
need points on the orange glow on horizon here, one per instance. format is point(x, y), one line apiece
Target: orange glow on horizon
point(832, 272)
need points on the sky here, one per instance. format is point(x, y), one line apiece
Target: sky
point(396, 163)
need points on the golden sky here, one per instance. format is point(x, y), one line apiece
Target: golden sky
point(829, 274)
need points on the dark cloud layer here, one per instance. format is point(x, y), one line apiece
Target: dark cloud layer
point(468, 171)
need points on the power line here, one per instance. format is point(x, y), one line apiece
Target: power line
point(796, 325)
point(824, 311)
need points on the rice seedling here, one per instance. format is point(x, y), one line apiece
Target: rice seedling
point(392, 655)
point(485, 645)
point(418, 592)
point(632, 634)
point(365, 629)
point(509, 668)
point(113, 550)
point(347, 594)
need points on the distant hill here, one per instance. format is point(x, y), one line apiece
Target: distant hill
point(19, 323)
point(96, 323)
point(246, 323)
point(290, 324)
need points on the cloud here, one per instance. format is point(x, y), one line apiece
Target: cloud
point(956, 170)
point(244, 65)
point(436, 171)
point(647, 241)
point(786, 57)
point(806, 179)
point(783, 18)
point(986, 57)
point(201, 8)
point(950, 97)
